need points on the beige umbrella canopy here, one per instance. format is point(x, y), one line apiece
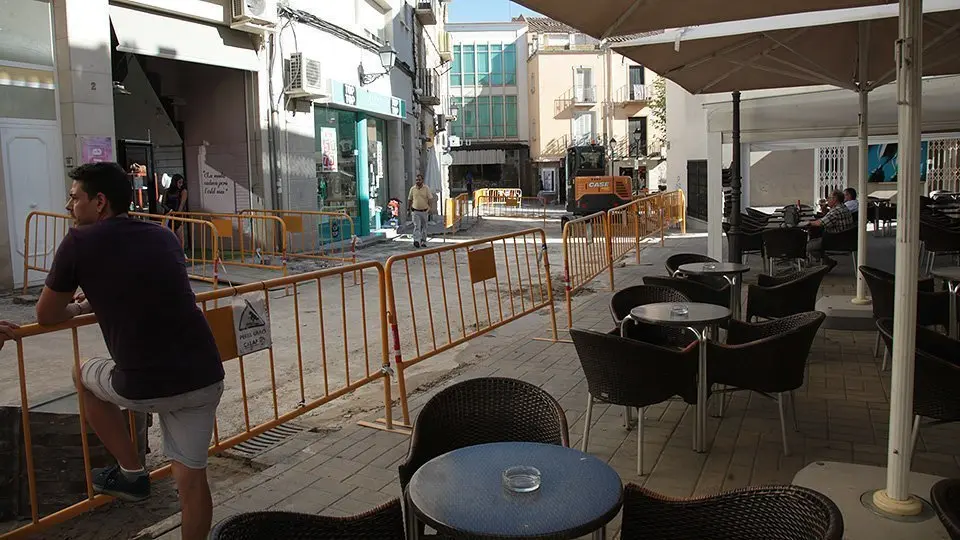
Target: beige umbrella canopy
point(604, 18)
point(794, 56)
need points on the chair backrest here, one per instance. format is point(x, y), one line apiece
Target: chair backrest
point(783, 512)
point(695, 290)
point(787, 295)
point(786, 243)
point(936, 372)
point(945, 498)
point(483, 410)
point(749, 363)
point(676, 261)
point(844, 241)
point(383, 522)
point(626, 299)
point(880, 284)
point(791, 215)
point(628, 372)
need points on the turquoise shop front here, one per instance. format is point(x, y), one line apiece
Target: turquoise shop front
point(352, 156)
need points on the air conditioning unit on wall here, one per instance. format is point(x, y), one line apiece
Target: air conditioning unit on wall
point(305, 78)
point(255, 16)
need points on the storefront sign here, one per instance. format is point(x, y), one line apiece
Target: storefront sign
point(364, 100)
point(217, 191)
point(379, 160)
point(96, 149)
point(328, 147)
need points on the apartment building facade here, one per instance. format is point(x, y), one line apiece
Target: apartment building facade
point(586, 94)
point(488, 86)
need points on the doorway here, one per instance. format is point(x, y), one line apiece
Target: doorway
point(136, 157)
point(32, 172)
point(697, 189)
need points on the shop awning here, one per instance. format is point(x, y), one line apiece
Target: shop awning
point(163, 36)
point(478, 157)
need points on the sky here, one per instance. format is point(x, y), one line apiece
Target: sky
point(485, 10)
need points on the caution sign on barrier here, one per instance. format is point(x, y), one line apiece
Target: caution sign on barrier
point(251, 323)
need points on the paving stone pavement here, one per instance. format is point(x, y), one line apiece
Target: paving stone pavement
point(842, 415)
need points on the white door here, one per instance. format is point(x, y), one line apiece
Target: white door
point(583, 127)
point(34, 180)
point(583, 85)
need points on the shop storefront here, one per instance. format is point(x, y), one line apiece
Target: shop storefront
point(351, 153)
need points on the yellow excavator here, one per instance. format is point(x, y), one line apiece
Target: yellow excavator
point(589, 190)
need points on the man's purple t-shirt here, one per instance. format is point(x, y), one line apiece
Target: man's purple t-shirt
point(134, 275)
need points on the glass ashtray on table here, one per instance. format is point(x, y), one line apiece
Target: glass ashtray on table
point(521, 479)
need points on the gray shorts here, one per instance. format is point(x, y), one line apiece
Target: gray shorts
point(186, 420)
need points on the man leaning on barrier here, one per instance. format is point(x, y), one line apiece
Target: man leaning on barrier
point(164, 359)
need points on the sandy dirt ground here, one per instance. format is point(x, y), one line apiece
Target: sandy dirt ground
point(306, 364)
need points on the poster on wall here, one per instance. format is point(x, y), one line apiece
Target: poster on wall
point(328, 149)
point(379, 160)
point(882, 162)
point(217, 191)
point(548, 179)
point(96, 149)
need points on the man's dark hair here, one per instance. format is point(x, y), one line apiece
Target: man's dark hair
point(851, 192)
point(107, 178)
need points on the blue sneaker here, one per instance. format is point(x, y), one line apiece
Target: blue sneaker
point(112, 481)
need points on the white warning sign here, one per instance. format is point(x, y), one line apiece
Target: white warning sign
point(251, 323)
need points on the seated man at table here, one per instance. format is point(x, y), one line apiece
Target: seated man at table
point(850, 199)
point(836, 220)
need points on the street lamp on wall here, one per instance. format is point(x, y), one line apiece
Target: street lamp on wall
point(387, 58)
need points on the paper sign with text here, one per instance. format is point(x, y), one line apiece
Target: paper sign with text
point(251, 323)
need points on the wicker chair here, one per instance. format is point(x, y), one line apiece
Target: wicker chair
point(937, 240)
point(945, 497)
point(936, 376)
point(633, 373)
point(753, 513)
point(782, 296)
point(788, 243)
point(842, 243)
point(383, 522)
point(768, 358)
point(880, 284)
point(479, 411)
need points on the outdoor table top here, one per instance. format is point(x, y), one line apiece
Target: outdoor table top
point(715, 269)
point(462, 492)
point(947, 274)
point(698, 314)
point(886, 195)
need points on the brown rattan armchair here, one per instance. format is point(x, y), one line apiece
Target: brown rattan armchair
point(936, 376)
point(769, 358)
point(632, 373)
point(753, 513)
point(383, 522)
point(945, 497)
point(786, 295)
point(480, 411)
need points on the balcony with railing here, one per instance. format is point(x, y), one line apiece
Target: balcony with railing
point(633, 94)
point(576, 96)
point(428, 86)
point(428, 12)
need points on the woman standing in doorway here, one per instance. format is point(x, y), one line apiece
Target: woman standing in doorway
point(175, 200)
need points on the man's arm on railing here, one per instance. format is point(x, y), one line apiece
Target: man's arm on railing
point(59, 301)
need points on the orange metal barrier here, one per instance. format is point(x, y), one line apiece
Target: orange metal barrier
point(457, 208)
point(442, 297)
point(248, 240)
point(493, 201)
point(318, 235)
point(296, 373)
point(43, 233)
point(200, 241)
point(586, 254)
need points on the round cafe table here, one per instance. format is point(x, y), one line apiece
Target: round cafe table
point(952, 277)
point(461, 493)
point(732, 272)
point(698, 319)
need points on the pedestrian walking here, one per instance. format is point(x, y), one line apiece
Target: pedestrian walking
point(468, 181)
point(118, 261)
point(418, 201)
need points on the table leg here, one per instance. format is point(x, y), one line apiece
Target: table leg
point(952, 286)
point(699, 432)
point(600, 534)
point(627, 419)
point(734, 296)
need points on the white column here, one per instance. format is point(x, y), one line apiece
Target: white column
point(864, 48)
point(85, 74)
point(715, 195)
point(896, 498)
